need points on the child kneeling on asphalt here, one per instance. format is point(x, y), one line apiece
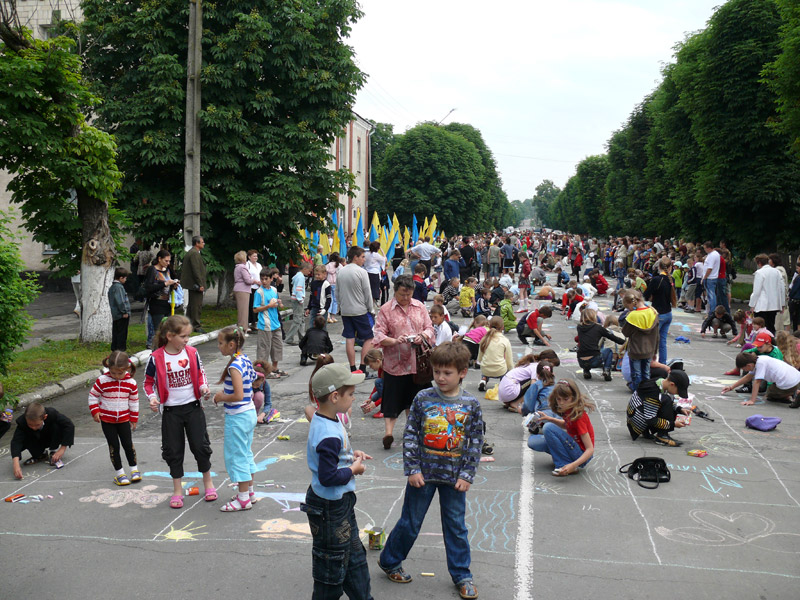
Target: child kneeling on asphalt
point(339, 560)
point(441, 450)
point(38, 431)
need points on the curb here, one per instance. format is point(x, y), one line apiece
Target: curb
point(60, 388)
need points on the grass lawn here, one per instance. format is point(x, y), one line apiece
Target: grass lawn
point(57, 360)
point(741, 290)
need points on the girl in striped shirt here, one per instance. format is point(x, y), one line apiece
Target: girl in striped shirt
point(240, 417)
point(114, 403)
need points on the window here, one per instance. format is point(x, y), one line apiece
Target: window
point(358, 154)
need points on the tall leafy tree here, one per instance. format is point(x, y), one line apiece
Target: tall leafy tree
point(64, 169)
point(382, 137)
point(278, 84)
point(544, 196)
point(783, 74)
point(432, 170)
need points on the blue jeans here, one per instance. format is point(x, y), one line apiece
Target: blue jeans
point(620, 275)
point(711, 294)
point(338, 558)
point(334, 304)
point(557, 443)
point(536, 398)
point(664, 322)
point(722, 293)
point(452, 506)
point(605, 359)
point(494, 269)
point(640, 370)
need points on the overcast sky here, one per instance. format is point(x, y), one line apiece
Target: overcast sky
point(546, 82)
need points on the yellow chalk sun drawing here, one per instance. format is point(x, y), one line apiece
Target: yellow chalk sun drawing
point(293, 456)
point(185, 534)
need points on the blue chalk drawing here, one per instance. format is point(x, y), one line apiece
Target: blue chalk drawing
point(263, 464)
point(283, 498)
point(491, 520)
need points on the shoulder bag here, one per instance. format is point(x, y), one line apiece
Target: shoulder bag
point(651, 469)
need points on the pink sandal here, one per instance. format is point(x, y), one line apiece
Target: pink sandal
point(176, 502)
point(210, 494)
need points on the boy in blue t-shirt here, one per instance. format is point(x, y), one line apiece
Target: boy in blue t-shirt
point(441, 450)
point(269, 346)
point(339, 560)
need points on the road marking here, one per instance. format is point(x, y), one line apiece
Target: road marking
point(524, 553)
point(53, 470)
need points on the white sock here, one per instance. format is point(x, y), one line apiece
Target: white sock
point(120, 472)
point(134, 467)
point(244, 498)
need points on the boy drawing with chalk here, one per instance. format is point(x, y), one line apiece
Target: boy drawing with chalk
point(441, 450)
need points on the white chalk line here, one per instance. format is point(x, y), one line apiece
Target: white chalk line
point(40, 477)
point(627, 482)
point(761, 456)
point(220, 486)
point(523, 565)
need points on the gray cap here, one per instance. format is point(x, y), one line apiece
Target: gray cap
point(331, 377)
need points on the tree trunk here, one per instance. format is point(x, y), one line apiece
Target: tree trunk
point(225, 289)
point(97, 269)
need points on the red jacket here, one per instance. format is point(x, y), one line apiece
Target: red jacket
point(156, 373)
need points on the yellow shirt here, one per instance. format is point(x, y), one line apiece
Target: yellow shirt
point(467, 296)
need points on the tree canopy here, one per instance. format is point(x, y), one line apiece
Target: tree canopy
point(278, 84)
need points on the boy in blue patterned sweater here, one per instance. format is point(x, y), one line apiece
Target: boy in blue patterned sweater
point(441, 451)
point(338, 558)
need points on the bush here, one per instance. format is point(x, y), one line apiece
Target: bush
point(15, 294)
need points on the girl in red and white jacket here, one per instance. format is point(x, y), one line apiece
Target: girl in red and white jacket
point(114, 403)
point(175, 382)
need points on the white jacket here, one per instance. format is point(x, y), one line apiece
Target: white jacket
point(769, 291)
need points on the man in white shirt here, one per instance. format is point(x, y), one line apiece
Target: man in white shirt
point(426, 251)
point(711, 266)
point(769, 292)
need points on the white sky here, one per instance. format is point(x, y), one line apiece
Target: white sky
point(546, 81)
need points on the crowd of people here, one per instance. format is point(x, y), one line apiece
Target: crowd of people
point(417, 354)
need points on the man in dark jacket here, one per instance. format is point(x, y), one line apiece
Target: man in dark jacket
point(193, 281)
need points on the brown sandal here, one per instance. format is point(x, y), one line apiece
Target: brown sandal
point(398, 574)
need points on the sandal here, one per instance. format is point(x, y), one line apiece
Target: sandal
point(210, 495)
point(487, 448)
point(176, 502)
point(236, 505)
point(398, 574)
point(273, 375)
point(281, 373)
point(467, 589)
point(122, 480)
point(135, 476)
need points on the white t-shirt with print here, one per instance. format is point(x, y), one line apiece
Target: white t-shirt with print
point(781, 373)
point(179, 379)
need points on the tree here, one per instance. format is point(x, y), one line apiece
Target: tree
point(546, 194)
point(431, 170)
point(382, 137)
point(783, 74)
point(18, 292)
point(64, 169)
point(278, 84)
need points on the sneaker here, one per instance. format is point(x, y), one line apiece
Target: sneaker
point(724, 336)
point(744, 389)
point(467, 589)
point(369, 376)
point(135, 476)
point(587, 374)
point(487, 449)
point(482, 386)
point(733, 372)
point(606, 375)
point(122, 480)
point(398, 575)
point(663, 439)
point(795, 403)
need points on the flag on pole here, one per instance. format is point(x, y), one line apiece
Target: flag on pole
point(383, 241)
point(334, 218)
point(373, 234)
point(325, 244)
point(359, 229)
point(406, 237)
point(424, 231)
point(414, 230)
point(392, 246)
point(376, 222)
point(395, 223)
point(342, 242)
point(432, 227)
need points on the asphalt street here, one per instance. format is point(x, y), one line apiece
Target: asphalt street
point(725, 526)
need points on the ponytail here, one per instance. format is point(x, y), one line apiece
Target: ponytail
point(232, 333)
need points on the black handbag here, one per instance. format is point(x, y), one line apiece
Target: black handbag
point(424, 374)
point(651, 469)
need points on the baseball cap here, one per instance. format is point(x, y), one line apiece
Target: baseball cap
point(331, 377)
point(762, 338)
point(681, 380)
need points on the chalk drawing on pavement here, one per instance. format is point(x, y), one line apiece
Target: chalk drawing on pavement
point(187, 533)
point(282, 529)
point(736, 529)
point(722, 444)
point(283, 499)
point(602, 475)
point(143, 496)
point(491, 520)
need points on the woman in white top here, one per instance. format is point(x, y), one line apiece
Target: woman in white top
point(375, 263)
point(254, 267)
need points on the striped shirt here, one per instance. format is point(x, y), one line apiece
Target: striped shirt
point(242, 364)
point(644, 408)
point(116, 400)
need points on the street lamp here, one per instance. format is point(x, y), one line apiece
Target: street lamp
point(447, 115)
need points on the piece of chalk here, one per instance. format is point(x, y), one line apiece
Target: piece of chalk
point(427, 574)
point(49, 496)
point(60, 493)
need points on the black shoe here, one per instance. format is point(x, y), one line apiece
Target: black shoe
point(663, 439)
point(587, 374)
point(606, 374)
point(487, 449)
point(795, 403)
point(747, 388)
point(199, 330)
point(303, 362)
point(482, 386)
point(370, 376)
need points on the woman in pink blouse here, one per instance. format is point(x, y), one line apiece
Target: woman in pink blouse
point(241, 288)
point(401, 323)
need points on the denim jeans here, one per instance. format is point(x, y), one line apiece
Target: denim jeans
point(640, 370)
point(557, 443)
point(664, 322)
point(711, 294)
point(452, 506)
point(334, 303)
point(338, 558)
point(722, 293)
point(605, 359)
point(620, 274)
point(494, 269)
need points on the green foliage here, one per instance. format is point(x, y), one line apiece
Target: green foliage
point(278, 83)
point(698, 158)
point(432, 170)
point(783, 74)
point(57, 158)
point(16, 293)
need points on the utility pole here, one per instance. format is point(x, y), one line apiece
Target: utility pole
point(191, 180)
